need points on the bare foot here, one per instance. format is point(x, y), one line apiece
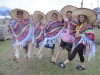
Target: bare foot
point(38, 56)
point(52, 58)
point(26, 58)
point(15, 59)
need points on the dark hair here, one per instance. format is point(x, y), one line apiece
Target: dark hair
point(19, 11)
point(62, 21)
point(85, 20)
point(55, 14)
point(69, 11)
point(41, 15)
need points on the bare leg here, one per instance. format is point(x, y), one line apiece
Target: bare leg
point(52, 53)
point(30, 47)
point(26, 51)
point(39, 52)
point(17, 51)
point(66, 61)
point(62, 65)
point(82, 64)
point(69, 53)
point(58, 54)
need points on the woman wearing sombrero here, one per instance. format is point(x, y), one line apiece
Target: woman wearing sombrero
point(66, 13)
point(52, 30)
point(84, 36)
point(20, 31)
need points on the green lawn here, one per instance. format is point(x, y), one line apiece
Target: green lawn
point(43, 66)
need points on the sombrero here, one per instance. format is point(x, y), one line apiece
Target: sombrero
point(92, 16)
point(49, 15)
point(67, 8)
point(35, 16)
point(14, 12)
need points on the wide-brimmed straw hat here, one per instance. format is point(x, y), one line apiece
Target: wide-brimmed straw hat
point(49, 15)
point(67, 8)
point(92, 16)
point(35, 16)
point(13, 13)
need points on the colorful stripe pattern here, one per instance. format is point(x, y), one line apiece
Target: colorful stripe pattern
point(38, 33)
point(21, 30)
point(72, 26)
point(53, 28)
point(13, 39)
point(88, 39)
point(88, 31)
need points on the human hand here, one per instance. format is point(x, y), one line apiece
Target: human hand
point(77, 35)
point(32, 22)
point(77, 31)
point(42, 27)
point(6, 23)
point(65, 19)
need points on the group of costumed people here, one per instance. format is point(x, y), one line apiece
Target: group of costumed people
point(73, 27)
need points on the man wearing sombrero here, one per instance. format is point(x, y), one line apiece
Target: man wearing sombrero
point(40, 21)
point(52, 30)
point(66, 13)
point(20, 31)
point(84, 36)
point(38, 28)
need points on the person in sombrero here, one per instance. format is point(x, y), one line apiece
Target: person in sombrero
point(38, 28)
point(20, 31)
point(52, 30)
point(84, 36)
point(66, 41)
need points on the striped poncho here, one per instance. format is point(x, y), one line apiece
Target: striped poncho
point(38, 34)
point(53, 28)
point(52, 31)
point(88, 39)
point(20, 31)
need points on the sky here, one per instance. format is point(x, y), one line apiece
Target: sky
point(46, 5)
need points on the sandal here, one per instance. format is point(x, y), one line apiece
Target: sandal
point(52, 62)
point(15, 59)
point(62, 65)
point(80, 68)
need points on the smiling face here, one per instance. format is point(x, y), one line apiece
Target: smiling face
point(40, 17)
point(19, 14)
point(81, 18)
point(54, 16)
point(69, 15)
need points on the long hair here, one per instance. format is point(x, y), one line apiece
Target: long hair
point(85, 22)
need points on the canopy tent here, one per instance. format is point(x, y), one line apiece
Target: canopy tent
point(4, 11)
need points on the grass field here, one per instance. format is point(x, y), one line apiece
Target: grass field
point(43, 66)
